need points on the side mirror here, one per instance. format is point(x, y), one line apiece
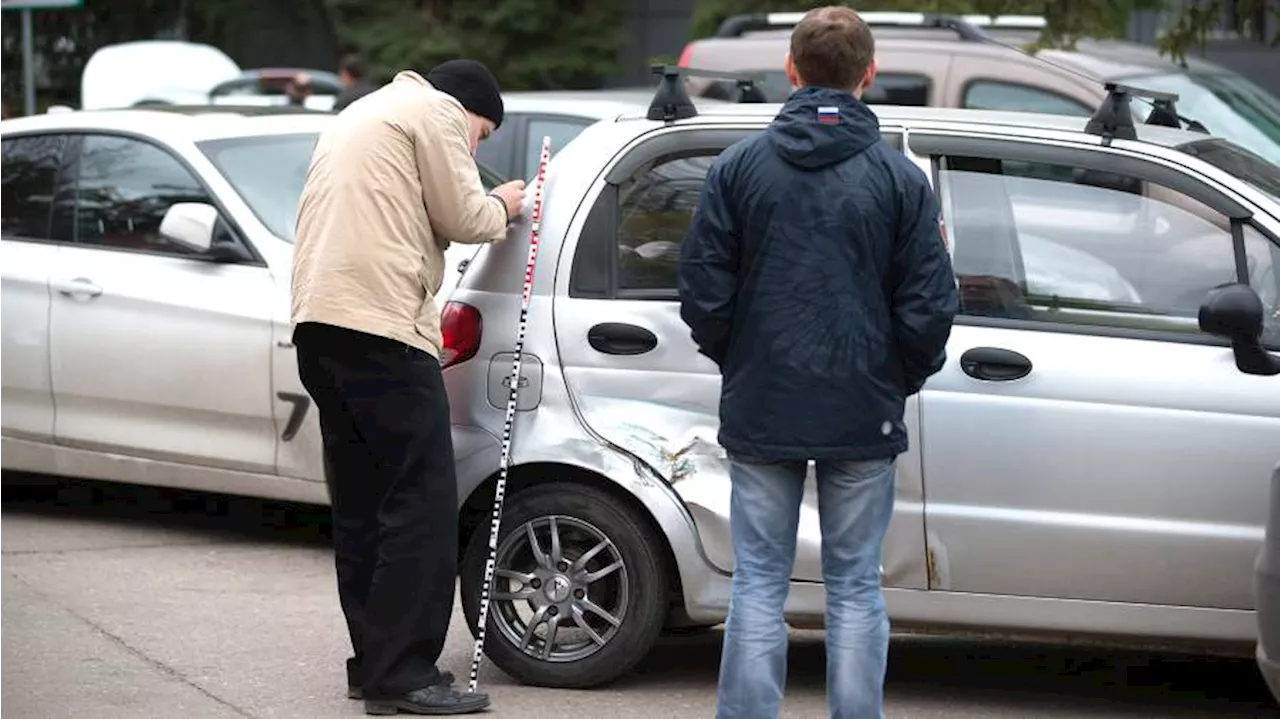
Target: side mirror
point(1234, 311)
point(190, 224)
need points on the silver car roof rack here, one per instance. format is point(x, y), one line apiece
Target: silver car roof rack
point(671, 101)
point(967, 27)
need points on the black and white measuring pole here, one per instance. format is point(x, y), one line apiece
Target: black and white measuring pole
point(500, 491)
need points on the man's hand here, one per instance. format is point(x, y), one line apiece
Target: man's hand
point(512, 195)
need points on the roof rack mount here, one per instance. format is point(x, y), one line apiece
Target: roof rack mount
point(1114, 116)
point(671, 101)
point(967, 27)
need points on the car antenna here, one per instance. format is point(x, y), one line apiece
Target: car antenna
point(1164, 109)
point(671, 101)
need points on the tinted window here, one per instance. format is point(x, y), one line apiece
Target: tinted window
point(1014, 97)
point(889, 88)
point(893, 89)
point(1058, 244)
point(654, 211)
point(561, 131)
point(30, 173)
point(497, 151)
point(125, 188)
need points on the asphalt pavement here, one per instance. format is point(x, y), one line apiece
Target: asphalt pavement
point(132, 602)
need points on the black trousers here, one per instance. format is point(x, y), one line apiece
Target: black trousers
point(388, 453)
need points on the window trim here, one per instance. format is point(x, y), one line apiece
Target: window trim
point(968, 85)
point(237, 233)
point(934, 145)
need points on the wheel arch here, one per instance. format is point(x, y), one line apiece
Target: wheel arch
point(669, 525)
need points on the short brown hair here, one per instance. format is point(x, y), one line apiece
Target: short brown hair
point(832, 47)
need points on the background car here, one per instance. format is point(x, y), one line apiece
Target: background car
point(145, 258)
point(1267, 591)
point(512, 151)
point(1088, 462)
point(971, 62)
point(266, 86)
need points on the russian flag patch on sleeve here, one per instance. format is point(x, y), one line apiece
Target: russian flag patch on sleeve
point(829, 115)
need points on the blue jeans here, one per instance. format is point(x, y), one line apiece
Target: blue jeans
point(855, 502)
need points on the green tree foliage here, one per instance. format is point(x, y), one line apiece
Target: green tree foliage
point(1067, 21)
point(529, 44)
point(1195, 22)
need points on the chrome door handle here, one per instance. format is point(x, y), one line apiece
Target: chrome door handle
point(79, 287)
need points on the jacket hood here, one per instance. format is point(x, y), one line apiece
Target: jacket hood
point(819, 127)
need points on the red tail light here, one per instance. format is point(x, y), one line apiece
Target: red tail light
point(685, 56)
point(461, 327)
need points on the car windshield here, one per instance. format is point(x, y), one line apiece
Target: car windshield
point(268, 172)
point(1238, 162)
point(1228, 105)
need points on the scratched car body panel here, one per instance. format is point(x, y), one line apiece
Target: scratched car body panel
point(1105, 493)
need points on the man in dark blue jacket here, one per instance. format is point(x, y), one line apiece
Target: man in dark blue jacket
point(815, 275)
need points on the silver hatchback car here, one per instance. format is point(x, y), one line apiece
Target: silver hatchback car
point(1090, 461)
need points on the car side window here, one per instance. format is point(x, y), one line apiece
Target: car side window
point(1063, 245)
point(561, 131)
point(654, 212)
point(898, 89)
point(125, 187)
point(1017, 97)
point(29, 173)
point(630, 243)
point(497, 152)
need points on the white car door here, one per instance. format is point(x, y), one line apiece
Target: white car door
point(158, 351)
point(1085, 440)
point(30, 171)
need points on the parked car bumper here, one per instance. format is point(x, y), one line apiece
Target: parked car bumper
point(1267, 593)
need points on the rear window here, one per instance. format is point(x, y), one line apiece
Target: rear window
point(889, 88)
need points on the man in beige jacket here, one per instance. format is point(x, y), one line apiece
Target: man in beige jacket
point(392, 181)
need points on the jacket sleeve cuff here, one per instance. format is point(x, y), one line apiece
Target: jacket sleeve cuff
point(503, 204)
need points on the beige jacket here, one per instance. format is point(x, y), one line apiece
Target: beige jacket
point(391, 183)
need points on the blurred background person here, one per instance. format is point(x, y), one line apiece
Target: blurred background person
point(355, 85)
point(298, 89)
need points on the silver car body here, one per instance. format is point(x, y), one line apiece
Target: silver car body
point(1115, 492)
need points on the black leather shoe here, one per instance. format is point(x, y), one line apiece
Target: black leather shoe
point(355, 692)
point(436, 700)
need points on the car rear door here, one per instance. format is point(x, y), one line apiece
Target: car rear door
point(1085, 440)
point(634, 373)
point(31, 164)
point(157, 351)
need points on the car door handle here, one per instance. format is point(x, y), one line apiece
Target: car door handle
point(615, 338)
point(994, 364)
point(80, 287)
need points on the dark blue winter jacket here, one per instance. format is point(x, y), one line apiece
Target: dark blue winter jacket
point(815, 275)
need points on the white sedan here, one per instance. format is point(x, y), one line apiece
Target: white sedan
point(146, 268)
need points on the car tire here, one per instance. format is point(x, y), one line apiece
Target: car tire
point(638, 587)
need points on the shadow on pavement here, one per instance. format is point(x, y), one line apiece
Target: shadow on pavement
point(1008, 675)
point(159, 507)
point(963, 670)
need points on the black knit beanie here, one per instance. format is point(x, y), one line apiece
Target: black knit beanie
point(473, 86)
